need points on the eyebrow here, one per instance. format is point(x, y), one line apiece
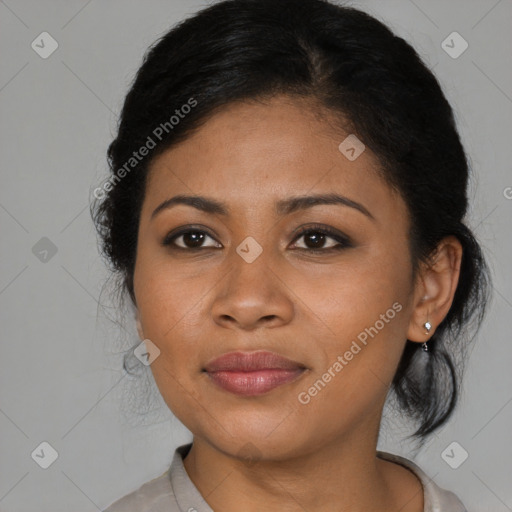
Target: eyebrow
point(283, 207)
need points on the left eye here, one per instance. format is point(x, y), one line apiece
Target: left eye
point(316, 238)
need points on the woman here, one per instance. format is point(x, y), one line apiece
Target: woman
point(286, 213)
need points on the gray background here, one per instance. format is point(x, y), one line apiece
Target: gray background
point(60, 376)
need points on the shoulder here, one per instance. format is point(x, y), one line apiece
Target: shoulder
point(436, 499)
point(153, 496)
point(173, 491)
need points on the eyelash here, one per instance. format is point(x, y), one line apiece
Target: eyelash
point(343, 241)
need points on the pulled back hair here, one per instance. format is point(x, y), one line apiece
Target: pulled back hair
point(379, 89)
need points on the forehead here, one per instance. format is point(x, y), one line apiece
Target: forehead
point(257, 152)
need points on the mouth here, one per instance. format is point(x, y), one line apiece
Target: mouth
point(252, 373)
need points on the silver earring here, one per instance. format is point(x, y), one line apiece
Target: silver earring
point(427, 326)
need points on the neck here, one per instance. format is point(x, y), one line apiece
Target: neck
point(339, 476)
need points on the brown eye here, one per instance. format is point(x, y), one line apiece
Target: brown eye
point(315, 240)
point(316, 237)
point(190, 239)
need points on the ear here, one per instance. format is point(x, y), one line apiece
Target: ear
point(435, 288)
point(139, 325)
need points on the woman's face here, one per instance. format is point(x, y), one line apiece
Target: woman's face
point(245, 281)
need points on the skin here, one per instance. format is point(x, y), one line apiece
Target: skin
point(309, 307)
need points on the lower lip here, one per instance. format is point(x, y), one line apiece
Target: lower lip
point(255, 382)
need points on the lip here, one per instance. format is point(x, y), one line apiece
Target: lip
point(252, 373)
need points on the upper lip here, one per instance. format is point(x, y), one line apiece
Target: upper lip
point(252, 361)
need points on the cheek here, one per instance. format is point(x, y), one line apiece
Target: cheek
point(168, 312)
point(167, 298)
point(172, 305)
point(360, 311)
point(352, 294)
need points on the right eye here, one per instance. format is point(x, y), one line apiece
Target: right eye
point(190, 239)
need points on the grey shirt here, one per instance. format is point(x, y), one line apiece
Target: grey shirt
point(173, 491)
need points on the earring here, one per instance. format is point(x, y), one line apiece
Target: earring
point(427, 326)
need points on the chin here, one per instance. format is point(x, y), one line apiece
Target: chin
point(247, 437)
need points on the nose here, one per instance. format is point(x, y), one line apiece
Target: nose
point(252, 295)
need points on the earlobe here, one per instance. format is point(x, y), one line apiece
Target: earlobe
point(421, 327)
point(435, 289)
point(427, 326)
